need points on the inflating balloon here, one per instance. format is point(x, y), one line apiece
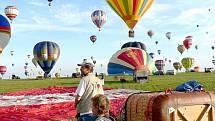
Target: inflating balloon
point(130, 60)
point(134, 44)
point(130, 11)
point(46, 54)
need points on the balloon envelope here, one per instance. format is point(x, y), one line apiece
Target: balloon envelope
point(3, 70)
point(168, 35)
point(159, 64)
point(129, 60)
point(181, 48)
point(135, 45)
point(187, 42)
point(34, 61)
point(11, 12)
point(187, 62)
point(130, 11)
point(176, 65)
point(93, 38)
point(99, 18)
point(5, 32)
point(46, 54)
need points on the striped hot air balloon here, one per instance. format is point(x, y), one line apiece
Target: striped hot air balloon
point(99, 18)
point(187, 63)
point(93, 38)
point(46, 54)
point(130, 11)
point(11, 12)
point(128, 60)
point(3, 70)
point(159, 64)
point(5, 33)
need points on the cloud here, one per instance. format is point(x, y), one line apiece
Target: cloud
point(38, 4)
point(71, 14)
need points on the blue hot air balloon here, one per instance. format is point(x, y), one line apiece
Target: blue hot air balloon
point(46, 54)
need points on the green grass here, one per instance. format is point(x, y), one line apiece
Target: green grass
point(156, 83)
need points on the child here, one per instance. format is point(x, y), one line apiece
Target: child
point(100, 108)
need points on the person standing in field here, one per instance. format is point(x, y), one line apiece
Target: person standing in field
point(89, 86)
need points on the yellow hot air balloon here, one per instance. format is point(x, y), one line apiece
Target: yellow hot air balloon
point(130, 11)
point(187, 63)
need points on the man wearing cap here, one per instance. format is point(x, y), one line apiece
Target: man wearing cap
point(89, 86)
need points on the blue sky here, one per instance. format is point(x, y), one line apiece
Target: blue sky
point(68, 23)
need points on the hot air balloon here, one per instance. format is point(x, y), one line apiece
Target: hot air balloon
point(176, 65)
point(12, 64)
point(187, 42)
point(46, 54)
point(197, 26)
point(187, 63)
point(159, 52)
point(181, 48)
point(196, 47)
point(130, 10)
point(168, 35)
point(25, 67)
point(34, 62)
point(29, 56)
point(93, 38)
point(50, 2)
point(11, 12)
point(5, 33)
point(170, 61)
point(134, 44)
point(99, 18)
point(196, 69)
point(11, 53)
point(3, 70)
point(159, 64)
point(156, 42)
point(150, 33)
point(129, 60)
point(151, 55)
point(26, 64)
point(213, 61)
point(212, 47)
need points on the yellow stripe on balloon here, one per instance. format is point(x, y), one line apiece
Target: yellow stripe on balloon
point(147, 6)
point(140, 2)
point(116, 9)
point(122, 7)
point(130, 6)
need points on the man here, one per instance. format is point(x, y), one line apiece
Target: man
point(89, 87)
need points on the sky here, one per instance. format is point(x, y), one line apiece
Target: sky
point(68, 23)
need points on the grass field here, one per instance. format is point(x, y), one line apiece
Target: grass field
point(156, 83)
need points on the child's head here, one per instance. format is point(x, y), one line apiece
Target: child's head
point(101, 105)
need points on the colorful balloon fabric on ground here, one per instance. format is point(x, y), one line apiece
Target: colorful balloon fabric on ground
point(130, 11)
point(135, 45)
point(187, 63)
point(99, 18)
point(46, 54)
point(5, 32)
point(11, 12)
point(128, 60)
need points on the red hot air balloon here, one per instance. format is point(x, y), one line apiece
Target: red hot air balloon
point(187, 42)
point(3, 70)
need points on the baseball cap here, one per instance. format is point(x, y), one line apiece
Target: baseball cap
point(86, 64)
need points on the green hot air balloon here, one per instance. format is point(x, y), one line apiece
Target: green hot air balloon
point(187, 63)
